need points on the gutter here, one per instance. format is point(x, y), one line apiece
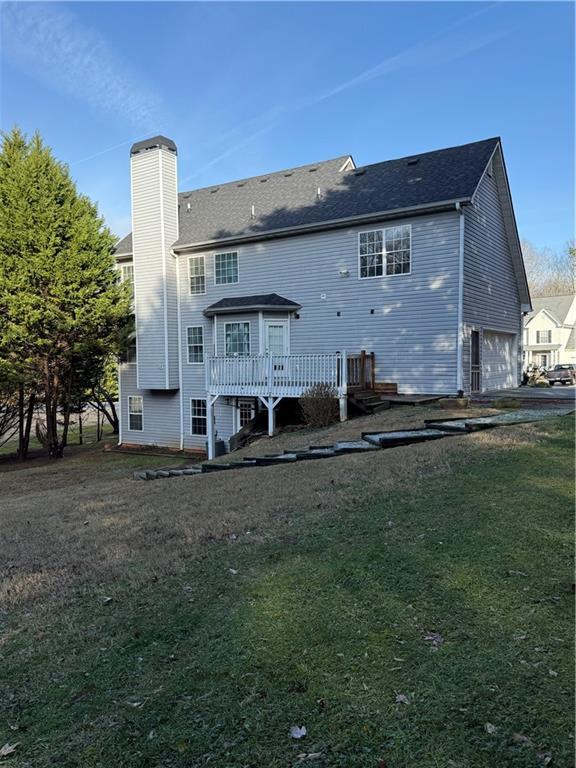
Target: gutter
point(460, 338)
point(418, 210)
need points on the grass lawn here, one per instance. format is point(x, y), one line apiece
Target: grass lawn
point(411, 608)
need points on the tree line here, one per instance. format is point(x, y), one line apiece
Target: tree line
point(64, 315)
point(549, 273)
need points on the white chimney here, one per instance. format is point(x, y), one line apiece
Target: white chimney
point(153, 173)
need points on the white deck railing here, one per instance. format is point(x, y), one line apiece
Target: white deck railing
point(274, 375)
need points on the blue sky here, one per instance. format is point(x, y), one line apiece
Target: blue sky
point(246, 88)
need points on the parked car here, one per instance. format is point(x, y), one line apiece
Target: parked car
point(565, 373)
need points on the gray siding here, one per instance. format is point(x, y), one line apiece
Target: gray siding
point(161, 413)
point(155, 227)
point(491, 298)
point(408, 321)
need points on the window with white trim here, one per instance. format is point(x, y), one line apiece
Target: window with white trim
point(226, 268)
point(197, 274)
point(127, 276)
point(245, 413)
point(198, 421)
point(385, 251)
point(135, 413)
point(131, 350)
point(543, 337)
point(237, 339)
point(195, 340)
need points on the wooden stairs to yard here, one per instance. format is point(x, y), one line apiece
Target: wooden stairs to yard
point(372, 400)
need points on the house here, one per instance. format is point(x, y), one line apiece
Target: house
point(549, 331)
point(406, 273)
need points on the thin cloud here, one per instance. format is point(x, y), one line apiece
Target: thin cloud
point(427, 54)
point(441, 49)
point(52, 45)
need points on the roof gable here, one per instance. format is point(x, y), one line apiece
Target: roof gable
point(557, 306)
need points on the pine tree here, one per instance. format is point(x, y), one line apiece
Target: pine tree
point(61, 304)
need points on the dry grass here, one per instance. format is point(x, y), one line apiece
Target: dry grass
point(84, 521)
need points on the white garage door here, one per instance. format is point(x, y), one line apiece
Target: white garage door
point(499, 361)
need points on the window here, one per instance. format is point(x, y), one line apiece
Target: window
point(385, 251)
point(135, 413)
point(245, 413)
point(237, 339)
point(131, 350)
point(197, 274)
point(543, 337)
point(195, 344)
point(127, 276)
point(198, 417)
point(226, 268)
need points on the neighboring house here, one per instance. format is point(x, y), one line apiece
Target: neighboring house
point(251, 291)
point(549, 331)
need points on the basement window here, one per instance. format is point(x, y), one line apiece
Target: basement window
point(135, 413)
point(198, 420)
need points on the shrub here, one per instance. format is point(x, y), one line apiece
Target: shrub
point(319, 405)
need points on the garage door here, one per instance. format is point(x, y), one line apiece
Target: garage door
point(499, 361)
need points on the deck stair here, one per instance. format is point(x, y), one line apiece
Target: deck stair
point(368, 401)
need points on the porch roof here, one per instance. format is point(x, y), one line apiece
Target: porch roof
point(269, 302)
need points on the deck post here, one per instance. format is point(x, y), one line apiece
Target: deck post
point(343, 388)
point(362, 369)
point(270, 405)
point(210, 400)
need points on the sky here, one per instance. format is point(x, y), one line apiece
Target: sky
point(249, 88)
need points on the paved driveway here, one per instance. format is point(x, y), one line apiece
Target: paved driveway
point(557, 392)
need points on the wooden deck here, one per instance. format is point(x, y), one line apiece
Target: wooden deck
point(411, 399)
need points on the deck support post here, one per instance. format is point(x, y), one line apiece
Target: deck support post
point(271, 420)
point(343, 388)
point(210, 400)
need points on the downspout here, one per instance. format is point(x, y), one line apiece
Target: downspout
point(460, 340)
point(175, 255)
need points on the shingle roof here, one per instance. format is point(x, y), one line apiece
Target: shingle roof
point(559, 306)
point(571, 343)
point(323, 192)
point(268, 301)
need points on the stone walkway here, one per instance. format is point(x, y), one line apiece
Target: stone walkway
point(435, 429)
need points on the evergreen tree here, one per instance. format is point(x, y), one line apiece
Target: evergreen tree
point(61, 305)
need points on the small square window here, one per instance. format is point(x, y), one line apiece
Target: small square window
point(135, 413)
point(195, 344)
point(226, 268)
point(198, 417)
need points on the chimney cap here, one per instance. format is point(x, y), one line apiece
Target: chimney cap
point(156, 142)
